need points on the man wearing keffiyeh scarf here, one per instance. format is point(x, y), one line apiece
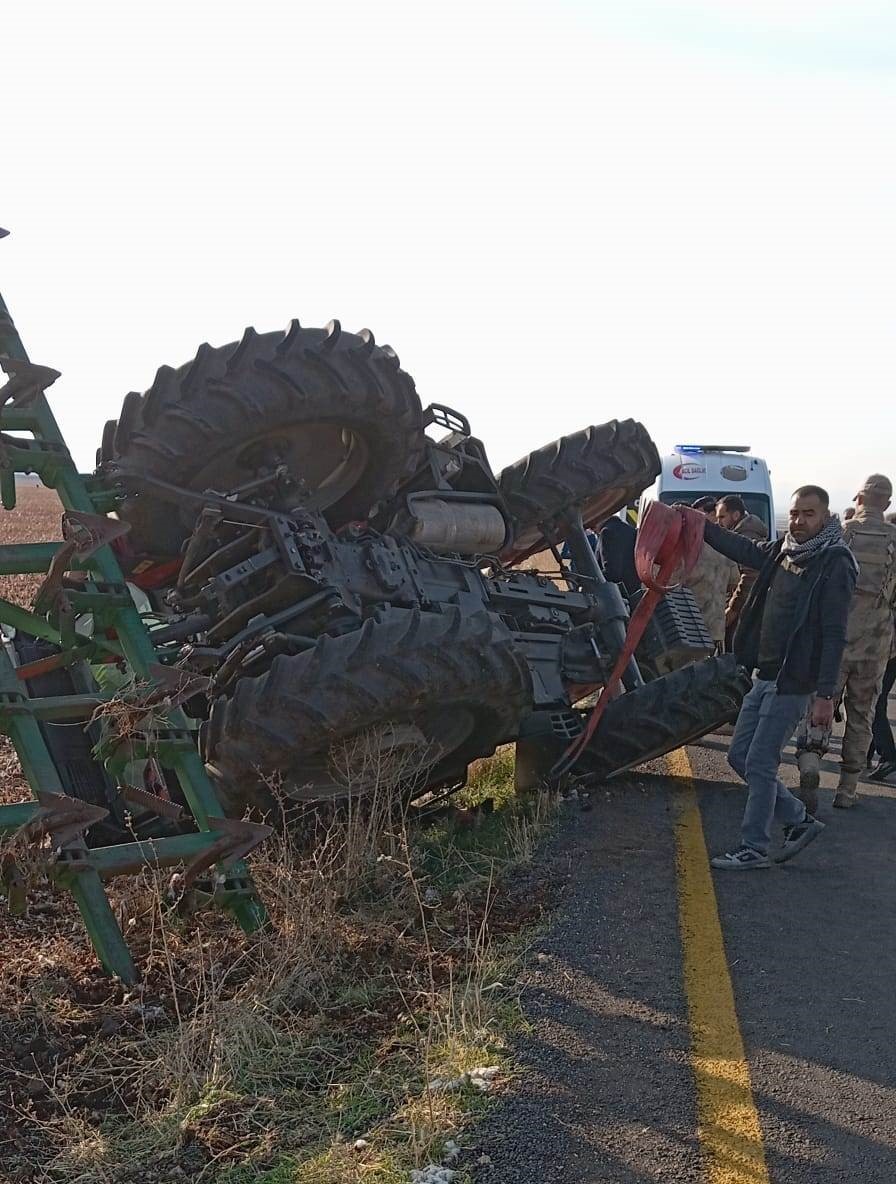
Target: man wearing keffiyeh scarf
point(791, 635)
point(801, 552)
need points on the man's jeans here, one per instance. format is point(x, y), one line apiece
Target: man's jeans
point(766, 722)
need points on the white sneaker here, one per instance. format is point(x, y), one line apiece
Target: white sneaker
point(743, 859)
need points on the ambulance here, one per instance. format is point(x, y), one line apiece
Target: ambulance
point(692, 471)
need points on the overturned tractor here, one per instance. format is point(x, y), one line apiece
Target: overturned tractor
point(340, 572)
point(317, 559)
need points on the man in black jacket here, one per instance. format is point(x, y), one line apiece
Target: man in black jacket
point(791, 633)
point(616, 552)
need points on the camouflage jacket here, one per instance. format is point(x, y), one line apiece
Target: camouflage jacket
point(872, 541)
point(753, 528)
point(709, 582)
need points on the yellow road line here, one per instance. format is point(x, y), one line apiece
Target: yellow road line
point(728, 1124)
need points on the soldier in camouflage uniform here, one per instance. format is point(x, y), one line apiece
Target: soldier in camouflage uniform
point(710, 579)
point(872, 541)
point(882, 732)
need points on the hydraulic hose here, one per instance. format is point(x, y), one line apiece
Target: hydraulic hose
point(669, 542)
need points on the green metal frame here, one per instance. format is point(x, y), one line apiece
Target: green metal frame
point(81, 869)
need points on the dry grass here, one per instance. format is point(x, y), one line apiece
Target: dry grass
point(265, 1057)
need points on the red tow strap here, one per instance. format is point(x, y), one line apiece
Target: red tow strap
point(669, 542)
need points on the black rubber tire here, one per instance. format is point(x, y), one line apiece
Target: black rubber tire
point(599, 469)
point(193, 423)
point(397, 669)
point(665, 714)
point(106, 450)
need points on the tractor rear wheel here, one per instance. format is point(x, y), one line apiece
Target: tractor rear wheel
point(653, 719)
point(402, 705)
point(598, 469)
point(665, 714)
point(334, 408)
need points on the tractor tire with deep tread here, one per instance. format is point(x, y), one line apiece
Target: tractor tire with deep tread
point(599, 469)
point(407, 668)
point(660, 716)
point(315, 398)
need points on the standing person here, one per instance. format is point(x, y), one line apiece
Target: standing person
point(792, 633)
point(710, 579)
point(731, 514)
point(616, 553)
point(869, 641)
point(881, 733)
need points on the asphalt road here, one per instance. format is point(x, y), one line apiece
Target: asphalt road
point(605, 1089)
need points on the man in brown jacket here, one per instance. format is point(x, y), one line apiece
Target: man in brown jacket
point(732, 514)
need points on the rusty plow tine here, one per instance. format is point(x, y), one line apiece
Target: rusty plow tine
point(89, 532)
point(149, 801)
point(178, 684)
point(237, 839)
point(26, 381)
point(63, 818)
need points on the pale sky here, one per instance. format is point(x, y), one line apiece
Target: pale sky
point(556, 213)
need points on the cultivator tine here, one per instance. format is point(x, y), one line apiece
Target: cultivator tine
point(176, 685)
point(27, 380)
point(89, 532)
point(83, 535)
point(49, 590)
point(239, 837)
point(150, 801)
point(61, 818)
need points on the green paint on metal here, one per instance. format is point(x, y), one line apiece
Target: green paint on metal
point(58, 709)
point(8, 489)
point(28, 622)
point(24, 558)
point(87, 888)
point(102, 927)
point(247, 908)
point(16, 816)
point(98, 598)
point(130, 857)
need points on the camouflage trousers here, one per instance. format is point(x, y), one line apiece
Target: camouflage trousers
point(859, 686)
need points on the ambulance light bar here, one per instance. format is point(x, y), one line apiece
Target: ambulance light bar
point(712, 448)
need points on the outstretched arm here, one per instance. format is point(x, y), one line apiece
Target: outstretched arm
point(743, 551)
